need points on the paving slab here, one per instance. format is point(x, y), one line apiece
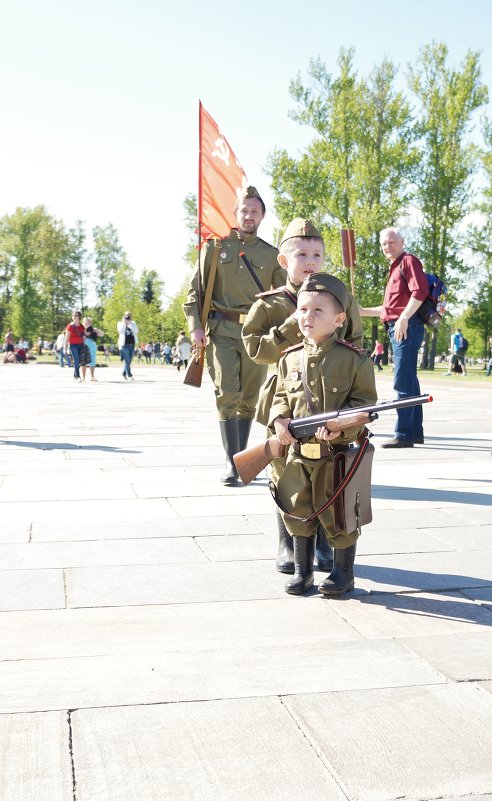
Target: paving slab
point(422, 615)
point(31, 589)
point(209, 672)
point(425, 743)
point(423, 572)
point(110, 552)
point(464, 658)
point(185, 627)
point(35, 762)
point(121, 586)
point(145, 527)
point(225, 750)
point(11, 531)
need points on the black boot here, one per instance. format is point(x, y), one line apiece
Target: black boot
point(341, 578)
point(230, 440)
point(324, 551)
point(303, 566)
point(244, 427)
point(285, 558)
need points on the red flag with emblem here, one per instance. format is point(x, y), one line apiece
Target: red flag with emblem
point(220, 177)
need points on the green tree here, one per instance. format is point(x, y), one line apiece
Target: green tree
point(358, 169)
point(24, 229)
point(152, 287)
point(125, 296)
point(479, 317)
point(109, 257)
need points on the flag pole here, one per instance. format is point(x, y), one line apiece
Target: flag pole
point(199, 205)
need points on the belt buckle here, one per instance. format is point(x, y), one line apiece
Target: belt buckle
point(311, 450)
point(242, 318)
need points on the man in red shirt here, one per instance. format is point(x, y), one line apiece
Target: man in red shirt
point(405, 292)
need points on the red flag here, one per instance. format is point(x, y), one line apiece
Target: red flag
point(220, 178)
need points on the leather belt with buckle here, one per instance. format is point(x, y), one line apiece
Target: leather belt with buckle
point(232, 317)
point(313, 450)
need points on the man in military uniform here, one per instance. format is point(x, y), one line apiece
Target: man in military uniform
point(236, 378)
point(272, 326)
point(324, 373)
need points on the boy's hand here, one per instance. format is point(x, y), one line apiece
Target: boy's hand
point(324, 434)
point(281, 426)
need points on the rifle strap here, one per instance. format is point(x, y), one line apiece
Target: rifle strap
point(252, 273)
point(210, 283)
point(336, 494)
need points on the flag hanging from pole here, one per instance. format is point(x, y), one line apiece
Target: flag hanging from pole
point(220, 178)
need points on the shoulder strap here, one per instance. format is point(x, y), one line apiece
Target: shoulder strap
point(210, 283)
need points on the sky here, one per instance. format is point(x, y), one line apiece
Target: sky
point(100, 98)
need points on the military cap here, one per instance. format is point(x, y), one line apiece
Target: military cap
point(249, 191)
point(324, 282)
point(300, 227)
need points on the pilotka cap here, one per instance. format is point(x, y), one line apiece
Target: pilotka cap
point(324, 282)
point(300, 228)
point(249, 191)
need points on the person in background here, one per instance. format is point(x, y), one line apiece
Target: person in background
point(91, 335)
point(406, 290)
point(183, 350)
point(9, 341)
point(489, 365)
point(127, 342)
point(166, 352)
point(457, 354)
point(60, 350)
point(74, 341)
point(377, 355)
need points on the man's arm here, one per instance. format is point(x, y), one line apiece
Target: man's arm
point(370, 311)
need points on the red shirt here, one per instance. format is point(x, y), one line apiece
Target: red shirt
point(404, 282)
point(75, 334)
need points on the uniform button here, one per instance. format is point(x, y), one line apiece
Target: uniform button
point(312, 383)
point(335, 389)
point(312, 364)
point(299, 334)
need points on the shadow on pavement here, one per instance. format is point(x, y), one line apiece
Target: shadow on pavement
point(64, 446)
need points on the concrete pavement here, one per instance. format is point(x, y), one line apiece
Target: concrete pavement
point(148, 651)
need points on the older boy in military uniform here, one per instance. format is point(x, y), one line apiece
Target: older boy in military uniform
point(336, 375)
point(236, 378)
point(271, 326)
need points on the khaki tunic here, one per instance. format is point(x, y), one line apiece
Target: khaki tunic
point(270, 328)
point(236, 378)
point(338, 377)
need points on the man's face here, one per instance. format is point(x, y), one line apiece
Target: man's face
point(249, 215)
point(392, 245)
point(303, 258)
point(317, 316)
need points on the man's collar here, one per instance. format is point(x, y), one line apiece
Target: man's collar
point(248, 238)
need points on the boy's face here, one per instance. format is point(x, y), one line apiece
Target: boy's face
point(317, 316)
point(304, 257)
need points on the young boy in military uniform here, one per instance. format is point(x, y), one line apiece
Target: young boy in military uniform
point(271, 326)
point(336, 375)
point(237, 380)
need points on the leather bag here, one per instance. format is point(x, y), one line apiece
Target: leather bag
point(352, 508)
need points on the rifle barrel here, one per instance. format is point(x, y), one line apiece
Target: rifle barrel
point(306, 426)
